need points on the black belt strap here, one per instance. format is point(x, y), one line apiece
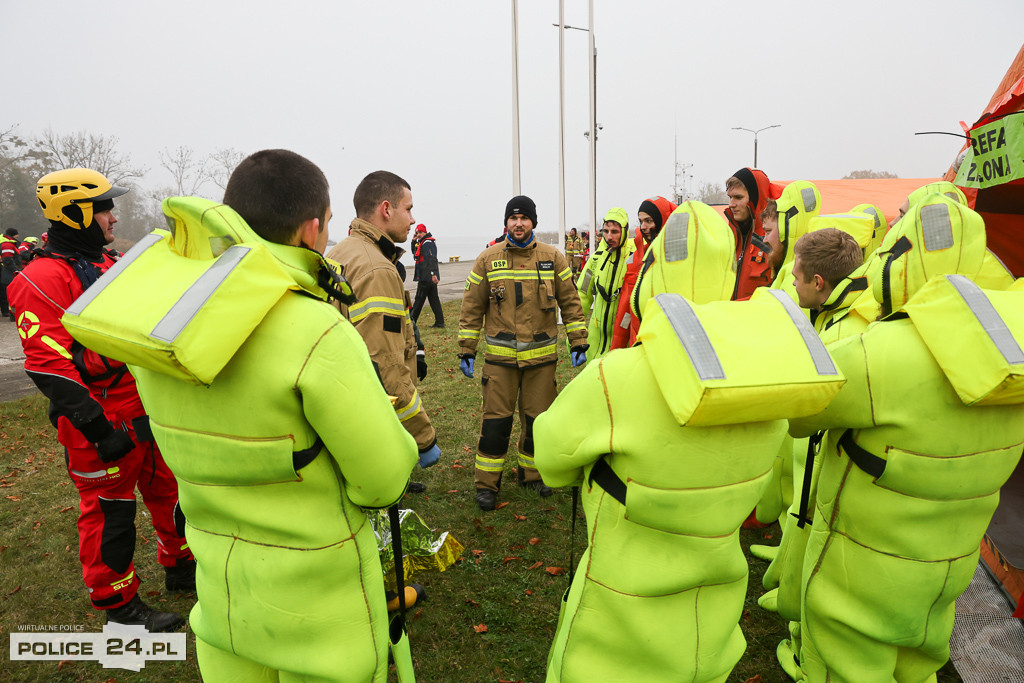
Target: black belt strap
point(813, 443)
point(869, 462)
point(604, 476)
point(302, 458)
point(397, 628)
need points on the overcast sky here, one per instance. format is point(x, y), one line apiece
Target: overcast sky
point(424, 89)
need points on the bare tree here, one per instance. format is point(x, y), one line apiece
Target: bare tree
point(88, 150)
point(712, 193)
point(189, 172)
point(222, 163)
point(860, 175)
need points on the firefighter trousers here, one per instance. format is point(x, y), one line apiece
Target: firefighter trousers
point(534, 390)
point(106, 520)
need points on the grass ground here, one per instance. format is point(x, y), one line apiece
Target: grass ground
point(502, 583)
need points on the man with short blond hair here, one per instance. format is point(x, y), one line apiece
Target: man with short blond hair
point(823, 258)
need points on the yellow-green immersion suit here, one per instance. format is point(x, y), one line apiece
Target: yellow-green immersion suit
point(687, 423)
point(274, 460)
point(600, 282)
point(920, 441)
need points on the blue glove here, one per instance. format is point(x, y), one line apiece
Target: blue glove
point(430, 456)
point(467, 366)
point(578, 356)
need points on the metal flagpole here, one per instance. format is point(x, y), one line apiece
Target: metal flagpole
point(516, 186)
point(561, 122)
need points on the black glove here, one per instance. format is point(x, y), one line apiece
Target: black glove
point(421, 365)
point(114, 446)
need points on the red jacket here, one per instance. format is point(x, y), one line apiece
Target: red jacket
point(627, 324)
point(81, 384)
point(752, 267)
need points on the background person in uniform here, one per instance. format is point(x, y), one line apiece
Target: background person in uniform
point(427, 275)
point(749, 191)
point(95, 406)
point(370, 260)
point(511, 300)
point(10, 264)
point(602, 278)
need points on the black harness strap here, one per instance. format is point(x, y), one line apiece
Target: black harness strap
point(604, 476)
point(863, 459)
point(397, 628)
point(572, 536)
point(802, 519)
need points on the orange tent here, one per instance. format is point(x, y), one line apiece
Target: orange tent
point(1002, 205)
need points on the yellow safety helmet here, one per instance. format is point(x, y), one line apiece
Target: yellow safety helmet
point(938, 236)
point(70, 194)
point(32, 240)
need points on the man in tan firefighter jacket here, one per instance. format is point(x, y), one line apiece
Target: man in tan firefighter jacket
point(511, 300)
point(370, 257)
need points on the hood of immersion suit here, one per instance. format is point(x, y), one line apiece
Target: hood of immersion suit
point(938, 236)
point(879, 227)
point(196, 292)
point(857, 224)
point(693, 256)
point(798, 204)
point(989, 323)
point(759, 191)
point(701, 358)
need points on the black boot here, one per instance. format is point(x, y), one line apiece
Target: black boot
point(137, 613)
point(486, 499)
point(181, 577)
point(542, 489)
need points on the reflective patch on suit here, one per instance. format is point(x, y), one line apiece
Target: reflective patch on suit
point(692, 336)
point(676, 231)
point(117, 543)
point(815, 347)
point(936, 227)
point(989, 318)
point(810, 201)
point(196, 296)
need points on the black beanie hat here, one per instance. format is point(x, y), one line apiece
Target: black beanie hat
point(524, 205)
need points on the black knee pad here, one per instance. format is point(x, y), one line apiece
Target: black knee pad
point(528, 434)
point(117, 545)
point(494, 434)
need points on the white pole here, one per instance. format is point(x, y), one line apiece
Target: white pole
point(561, 122)
point(516, 186)
point(593, 128)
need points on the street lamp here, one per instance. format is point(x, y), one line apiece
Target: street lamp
point(755, 132)
point(592, 133)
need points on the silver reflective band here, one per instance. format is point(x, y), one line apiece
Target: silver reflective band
point(810, 201)
point(815, 347)
point(692, 336)
point(97, 287)
point(871, 212)
point(935, 227)
point(675, 236)
point(185, 308)
point(518, 345)
point(990, 320)
point(585, 285)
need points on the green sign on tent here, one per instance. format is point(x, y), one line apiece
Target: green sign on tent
point(996, 155)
